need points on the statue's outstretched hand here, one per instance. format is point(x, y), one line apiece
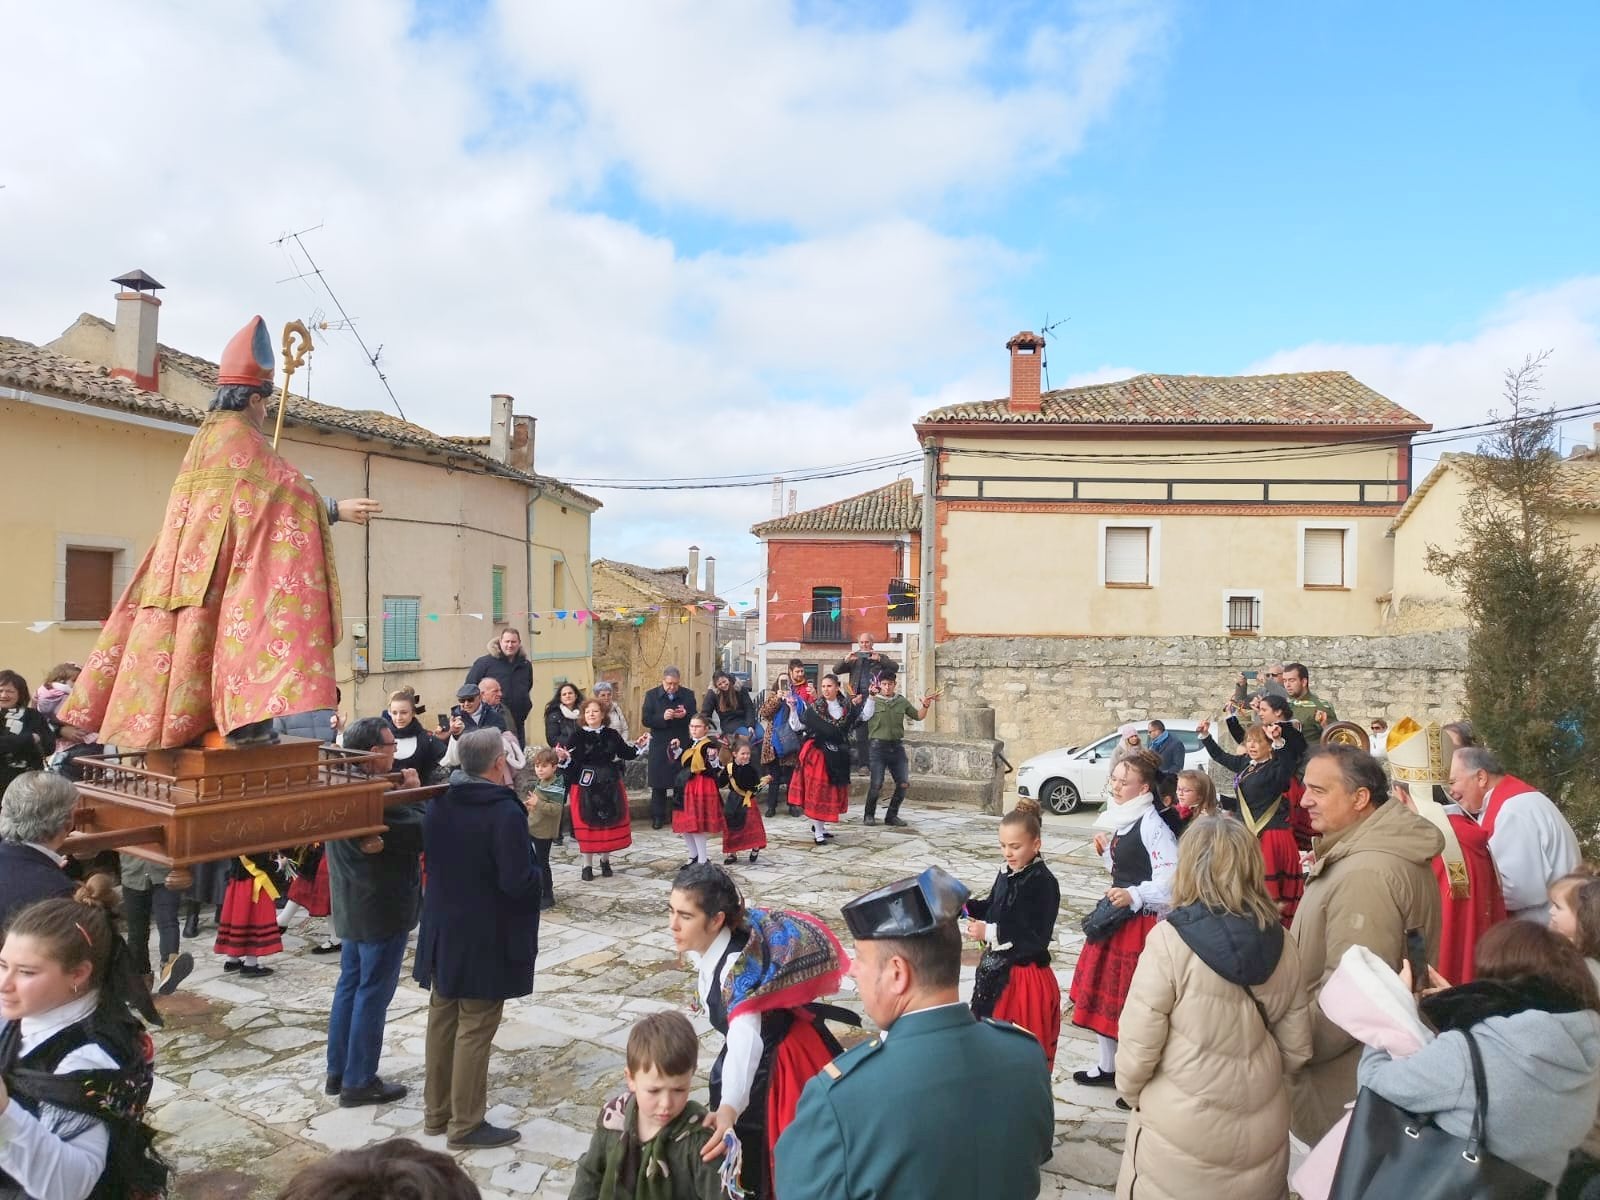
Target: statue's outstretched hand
point(358, 511)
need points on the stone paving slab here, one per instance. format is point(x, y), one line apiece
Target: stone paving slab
point(239, 1100)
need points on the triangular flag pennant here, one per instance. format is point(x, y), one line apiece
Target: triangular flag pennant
point(433, 616)
point(638, 620)
point(772, 599)
point(580, 616)
point(476, 616)
point(561, 614)
point(40, 626)
point(863, 610)
point(683, 619)
point(805, 616)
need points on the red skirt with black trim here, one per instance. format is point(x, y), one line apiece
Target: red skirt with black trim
point(248, 926)
point(600, 839)
point(754, 834)
point(311, 893)
point(1105, 973)
point(810, 788)
point(1032, 1000)
point(702, 807)
point(799, 1057)
point(1286, 881)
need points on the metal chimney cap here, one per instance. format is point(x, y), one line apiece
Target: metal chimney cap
point(138, 281)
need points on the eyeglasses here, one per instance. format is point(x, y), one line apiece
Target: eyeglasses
point(1274, 675)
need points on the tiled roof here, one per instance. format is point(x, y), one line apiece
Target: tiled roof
point(34, 368)
point(894, 508)
point(664, 582)
point(1308, 398)
point(1576, 487)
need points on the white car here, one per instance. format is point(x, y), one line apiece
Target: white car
point(1065, 780)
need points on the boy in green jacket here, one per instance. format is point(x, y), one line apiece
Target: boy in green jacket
point(647, 1142)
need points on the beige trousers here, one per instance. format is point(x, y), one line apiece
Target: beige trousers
point(456, 1063)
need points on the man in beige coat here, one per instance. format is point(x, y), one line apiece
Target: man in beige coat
point(1371, 881)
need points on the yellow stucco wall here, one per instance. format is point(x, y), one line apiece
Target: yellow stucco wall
point(1423, 601)
point(1035, 574)
point(634, 655)
point(440, 536)
point(1010, 565)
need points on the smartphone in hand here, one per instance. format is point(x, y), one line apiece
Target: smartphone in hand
point(1417, 956)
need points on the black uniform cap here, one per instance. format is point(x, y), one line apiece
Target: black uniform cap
point(907, 907)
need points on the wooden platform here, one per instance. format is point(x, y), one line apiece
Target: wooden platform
point(181, 807)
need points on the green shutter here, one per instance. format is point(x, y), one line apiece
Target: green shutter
point(499, 604)
point(401, 615)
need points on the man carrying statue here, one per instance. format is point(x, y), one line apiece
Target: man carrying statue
point(232, 617)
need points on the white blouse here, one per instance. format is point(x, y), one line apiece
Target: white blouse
point(744, 1045)
point(1154, 893)
point(44, 1166)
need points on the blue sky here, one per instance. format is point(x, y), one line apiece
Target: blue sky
point(702, 235)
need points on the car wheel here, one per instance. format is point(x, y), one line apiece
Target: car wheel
point(1060, 797)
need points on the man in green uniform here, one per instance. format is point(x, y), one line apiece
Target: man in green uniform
point(939, 1104)
point(1314, 713)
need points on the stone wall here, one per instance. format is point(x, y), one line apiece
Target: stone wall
point(1050, 692)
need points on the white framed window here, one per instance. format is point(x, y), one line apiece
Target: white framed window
point(1241, 612)
point(1327, 555)
point(1130, 553)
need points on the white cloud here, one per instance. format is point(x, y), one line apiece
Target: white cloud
point(746, 110)
point(1457, 382)
point(468, 228)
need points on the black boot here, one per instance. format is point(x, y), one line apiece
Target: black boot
point(869, 815)
point(892, 817)
point(191, 924)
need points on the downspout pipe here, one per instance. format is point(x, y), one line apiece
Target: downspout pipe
point(930, 546)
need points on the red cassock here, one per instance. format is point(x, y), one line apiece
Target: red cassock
point(1466, 918)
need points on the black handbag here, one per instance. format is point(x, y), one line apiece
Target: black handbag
point(1390, 1154)
point(1105, 919)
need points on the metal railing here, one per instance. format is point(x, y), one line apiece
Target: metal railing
point(826, 627)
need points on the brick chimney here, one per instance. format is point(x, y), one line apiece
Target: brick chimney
point(500, 427)
point(133, 353)
point(1027, 351)
point(521, 454)
point(711, 575)
point(693, 579)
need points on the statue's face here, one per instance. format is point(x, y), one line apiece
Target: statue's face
point(257, 409)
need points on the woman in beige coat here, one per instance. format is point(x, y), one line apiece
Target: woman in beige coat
point(1215, 1019)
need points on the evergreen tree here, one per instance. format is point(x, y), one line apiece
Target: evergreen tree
point(1529, 594)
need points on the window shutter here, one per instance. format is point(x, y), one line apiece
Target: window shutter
point(401, 615)
point(499, 599)
point(1324, 551)
point(88, 584)
point(1127, 555)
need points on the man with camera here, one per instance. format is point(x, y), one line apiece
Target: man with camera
point(470, 712)
point(857, 671)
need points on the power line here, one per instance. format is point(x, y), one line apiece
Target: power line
point(1304, 451)
point(347, 321)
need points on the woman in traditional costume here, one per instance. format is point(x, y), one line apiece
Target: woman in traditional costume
point(699, 811)
point(1265, 771)
point(760, 973)
point(1142, 854)
point(1016, 922)
point(593, 760)
point(77, 1063)
point(822, 772)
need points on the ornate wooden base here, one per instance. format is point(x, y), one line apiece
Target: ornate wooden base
point(200, 804)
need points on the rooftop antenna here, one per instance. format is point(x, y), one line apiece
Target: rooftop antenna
point(346, 321)
point(1046, 329)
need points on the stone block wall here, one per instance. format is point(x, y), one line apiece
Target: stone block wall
point(1050, 692)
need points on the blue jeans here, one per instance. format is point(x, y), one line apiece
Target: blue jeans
point(368, 975)
point(890, 756)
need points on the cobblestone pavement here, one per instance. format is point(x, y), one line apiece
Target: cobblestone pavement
point(239, 1098)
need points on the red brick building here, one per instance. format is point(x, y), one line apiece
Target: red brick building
point(836, 572)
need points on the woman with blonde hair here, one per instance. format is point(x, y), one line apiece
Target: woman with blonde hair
point(1197, 795)
point(1214, 1021)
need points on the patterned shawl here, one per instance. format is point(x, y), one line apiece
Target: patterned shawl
point(790, 960)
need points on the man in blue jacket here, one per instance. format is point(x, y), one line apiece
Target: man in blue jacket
point(480, 935)
point(1167, 747)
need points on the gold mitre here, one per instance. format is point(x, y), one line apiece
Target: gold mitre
point(1419, 757)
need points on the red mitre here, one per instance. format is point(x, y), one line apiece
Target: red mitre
point(247, 358)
